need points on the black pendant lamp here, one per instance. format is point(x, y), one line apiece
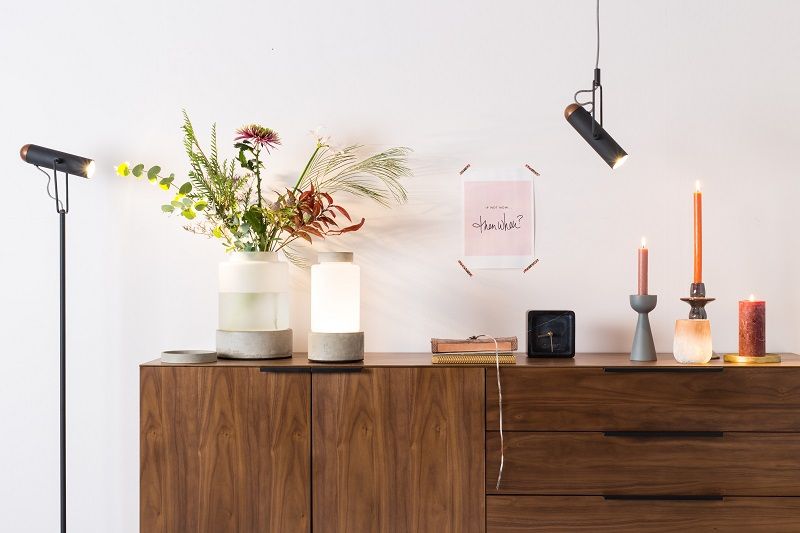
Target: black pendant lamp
point(585, 122)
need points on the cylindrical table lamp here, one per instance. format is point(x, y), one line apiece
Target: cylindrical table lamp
point(336, 334)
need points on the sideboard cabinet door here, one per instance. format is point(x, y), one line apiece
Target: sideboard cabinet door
point(224, 450)
point(398, 450)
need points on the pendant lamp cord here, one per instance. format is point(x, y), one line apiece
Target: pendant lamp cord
point(596, 57)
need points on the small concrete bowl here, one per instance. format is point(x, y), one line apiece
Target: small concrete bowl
point(188, 357)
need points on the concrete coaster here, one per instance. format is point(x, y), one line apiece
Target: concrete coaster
point(254, 344)
point(184, 357)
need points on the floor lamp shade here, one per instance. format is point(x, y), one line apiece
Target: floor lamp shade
point(602, 143)
point(73, 165)
point(336, 309)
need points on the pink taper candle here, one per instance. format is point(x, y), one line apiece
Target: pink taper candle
point(643, 253)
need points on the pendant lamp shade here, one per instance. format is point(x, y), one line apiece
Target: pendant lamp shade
point(602, 143)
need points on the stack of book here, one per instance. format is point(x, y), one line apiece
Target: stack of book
point(472, 351)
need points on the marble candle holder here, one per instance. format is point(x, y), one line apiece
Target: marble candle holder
point(692, 343)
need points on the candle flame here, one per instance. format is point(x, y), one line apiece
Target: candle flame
point(752, 298)
point(644, 242)
point(697, 186)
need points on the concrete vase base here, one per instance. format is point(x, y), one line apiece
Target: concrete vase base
point(335, 347)
point(254, 344)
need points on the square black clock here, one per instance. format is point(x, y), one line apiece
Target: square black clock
point(551, 334)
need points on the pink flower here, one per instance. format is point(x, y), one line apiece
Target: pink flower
point(258, 135)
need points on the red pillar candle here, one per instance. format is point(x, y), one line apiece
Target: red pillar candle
point(698, 234)
point(752, 327)
point(643, 253)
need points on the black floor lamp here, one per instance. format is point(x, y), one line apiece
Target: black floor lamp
point(77, 166)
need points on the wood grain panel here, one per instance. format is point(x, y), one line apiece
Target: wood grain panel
point(398, 450)
point(592, 514)
point(224, 450)
point(745, 464)
point(590, 399)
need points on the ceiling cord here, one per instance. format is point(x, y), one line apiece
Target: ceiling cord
point(596, 57)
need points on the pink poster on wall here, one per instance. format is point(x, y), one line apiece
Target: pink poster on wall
point(498, 219)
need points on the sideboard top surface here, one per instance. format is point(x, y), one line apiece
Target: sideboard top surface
point(581, 360)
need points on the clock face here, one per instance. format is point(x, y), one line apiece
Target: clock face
point(551, 333)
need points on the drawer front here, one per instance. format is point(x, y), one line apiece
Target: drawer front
point(736, 464)
point(683, 399)
point(595, 514)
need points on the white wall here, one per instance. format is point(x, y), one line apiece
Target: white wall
point(694, 90)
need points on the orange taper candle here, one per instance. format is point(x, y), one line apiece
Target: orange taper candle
point(698, 234)
point(643, 267)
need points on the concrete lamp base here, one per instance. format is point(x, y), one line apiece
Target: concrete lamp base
point(254, 344)
point(335, 347)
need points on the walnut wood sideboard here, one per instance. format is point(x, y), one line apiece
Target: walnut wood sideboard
point(396, 444)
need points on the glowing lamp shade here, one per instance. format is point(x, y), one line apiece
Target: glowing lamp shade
point(692, 343)
point(73, 165)
point(335, 294)
point(335, 335)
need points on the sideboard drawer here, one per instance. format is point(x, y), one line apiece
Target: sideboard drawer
point(735, 464)
point(646, 398)
point(595, 514)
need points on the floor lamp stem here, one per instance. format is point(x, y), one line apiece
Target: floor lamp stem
point(62, 216)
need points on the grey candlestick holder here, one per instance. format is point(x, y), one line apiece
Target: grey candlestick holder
point(643, 349)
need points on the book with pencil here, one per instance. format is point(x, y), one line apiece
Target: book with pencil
point(473, 345)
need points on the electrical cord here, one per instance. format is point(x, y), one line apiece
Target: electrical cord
point(50, 178)
point(596, 57)
point(500, 406)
